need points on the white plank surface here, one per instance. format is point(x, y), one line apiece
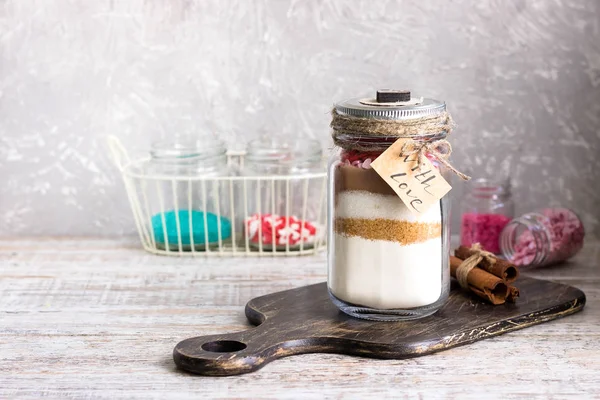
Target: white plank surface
point(99, 319)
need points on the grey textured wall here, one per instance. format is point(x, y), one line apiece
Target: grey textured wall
point(522, 79)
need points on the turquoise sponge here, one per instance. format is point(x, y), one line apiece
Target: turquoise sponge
point(197, 234)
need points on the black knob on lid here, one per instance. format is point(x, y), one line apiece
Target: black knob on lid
point(392, 96)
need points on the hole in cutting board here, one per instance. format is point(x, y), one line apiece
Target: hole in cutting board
point(223, 346)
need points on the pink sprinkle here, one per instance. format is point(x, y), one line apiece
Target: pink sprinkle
point(359, 159)
point(484, 229)
point(566, 238)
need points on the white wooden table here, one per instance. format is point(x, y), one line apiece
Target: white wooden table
point(99, 319)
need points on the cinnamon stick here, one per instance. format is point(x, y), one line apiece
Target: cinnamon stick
point(513, 293)
point(501, 268)
point(482, 283)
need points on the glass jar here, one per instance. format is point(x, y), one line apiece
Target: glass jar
point(269, 156)
point(284, 206)
point(188, 212)
point(189, 158)
point(384, 263)
point(486, 209)
point(543, 237)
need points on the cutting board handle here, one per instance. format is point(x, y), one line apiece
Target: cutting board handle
point(233, 353)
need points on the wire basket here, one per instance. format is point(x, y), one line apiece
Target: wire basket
point(253, 216)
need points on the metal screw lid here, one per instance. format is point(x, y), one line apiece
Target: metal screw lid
point(391, 104)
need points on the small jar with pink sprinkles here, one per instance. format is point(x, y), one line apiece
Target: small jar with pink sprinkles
point(544, 237)
point(486, 209)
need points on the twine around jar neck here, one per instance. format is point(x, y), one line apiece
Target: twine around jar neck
point(423, 134)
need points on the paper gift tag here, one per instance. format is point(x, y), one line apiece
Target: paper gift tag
point(418, 186)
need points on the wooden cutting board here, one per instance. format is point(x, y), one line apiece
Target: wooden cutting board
point(304, 320)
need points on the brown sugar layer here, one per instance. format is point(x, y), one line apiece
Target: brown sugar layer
point(403, 232)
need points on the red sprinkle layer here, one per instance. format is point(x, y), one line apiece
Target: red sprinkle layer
point(361, 159)
point(358, 158)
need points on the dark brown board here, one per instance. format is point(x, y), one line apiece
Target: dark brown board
point(304, 320)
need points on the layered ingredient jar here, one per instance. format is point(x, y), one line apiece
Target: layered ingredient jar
point(385, 262)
